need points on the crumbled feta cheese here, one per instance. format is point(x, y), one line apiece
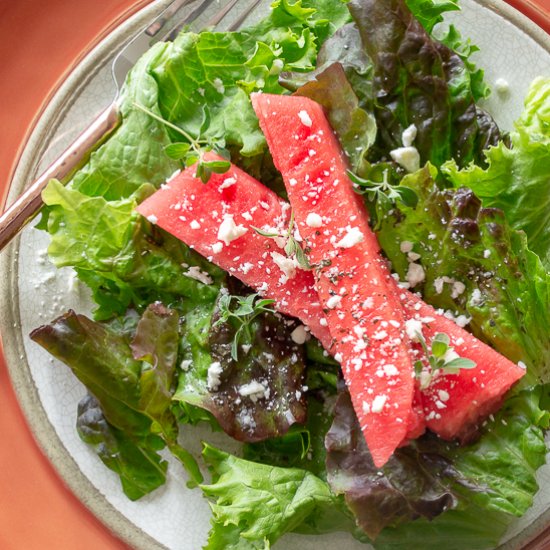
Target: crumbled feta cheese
point(443, 395)
point(218, 84)
point(305, 118)
point(334, 301)
point(390, 370)
point(413, 328)
point(195, 224)
point(152, 218)
point(378, 403)
point(299, 335)
point(409, 135)
point(217, 248)
point(185, 364)
point(227, 182)
point(229, 230)
point(486, 253)
point(351, 238)
point(406, 157)
point(314, 220)
point(254, 390)
point(195, 272)
point(285, 264)
point(522, 365)
point(338, 357)
point(406, 246)
point(457, 289)
point(501, 86)
point(323, 322)
point(213, 376)
point(415, 274)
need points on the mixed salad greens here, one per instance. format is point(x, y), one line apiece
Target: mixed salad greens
point(481, 194)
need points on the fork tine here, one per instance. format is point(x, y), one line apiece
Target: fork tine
point(249, 9)
point(217, 17)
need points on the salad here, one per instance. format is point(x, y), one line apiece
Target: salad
point(185, 333)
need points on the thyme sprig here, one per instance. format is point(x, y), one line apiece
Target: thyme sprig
point(441, 358)
point(292, 246)
point(193, 150)
point(384, 190)
point(242, 314)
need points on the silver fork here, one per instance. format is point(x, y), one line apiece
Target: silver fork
point(177, 15)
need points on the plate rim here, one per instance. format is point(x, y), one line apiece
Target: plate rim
point(12, 339)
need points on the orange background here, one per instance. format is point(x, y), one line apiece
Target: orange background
point(40, 41)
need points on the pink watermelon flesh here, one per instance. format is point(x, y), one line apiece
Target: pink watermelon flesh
point(193, 212)
point(455, 404)
point(466, 404)
point(354, 283)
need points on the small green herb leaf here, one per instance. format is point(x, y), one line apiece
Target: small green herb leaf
point(178, 150)
point(246, 309)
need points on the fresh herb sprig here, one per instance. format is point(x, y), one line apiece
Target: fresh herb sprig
point(441, 357)
point(292, 246)
point(192, 151)
point(243, 314)
point(384, 190)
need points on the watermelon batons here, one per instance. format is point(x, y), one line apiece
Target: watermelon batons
point(217, 220)
point(308, 154)
point(354, 283)
point(187, 197)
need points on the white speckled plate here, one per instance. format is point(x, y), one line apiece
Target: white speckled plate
point(32, 293)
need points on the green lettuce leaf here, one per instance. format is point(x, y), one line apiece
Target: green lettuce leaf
point(493, 479)
point(255, 504)
point(441, 485)
point(418, 80)
point(506, 291)
point(268, 360)
point(135, 395)
point(141, 469)
point(122, 257)
point(516, 178)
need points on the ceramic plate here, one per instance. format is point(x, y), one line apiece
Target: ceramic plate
point(33, 293)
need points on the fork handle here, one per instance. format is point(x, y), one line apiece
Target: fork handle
point(29, 203)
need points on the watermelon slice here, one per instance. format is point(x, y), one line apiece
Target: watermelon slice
point(217, 219)
point(467, 402)
point(354, 283)
point(455, 404)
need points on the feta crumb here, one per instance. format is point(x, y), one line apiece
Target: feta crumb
point(213, 375)
point(351, 238)
point(299, 335)
point(254, 390)
point(285, 264)
point(406, 247)
point(406, 157)
point(501, 86)
point(413, 328)
point(195, 272)
point(314, 220)
point(185, 364)
point(378, 403)
point(227, 182)
point(292, 181)
point(195, 224)
point(217, 247)
point(409, 135)
point(152, 218)
point(229, 231)
point(443, 395)
point(457, 289)
point(415, 274)
point(338, 357)
point(323, 322)
point(305, 118)
point(522, 365)
point(486, 253)
point(334, 301)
